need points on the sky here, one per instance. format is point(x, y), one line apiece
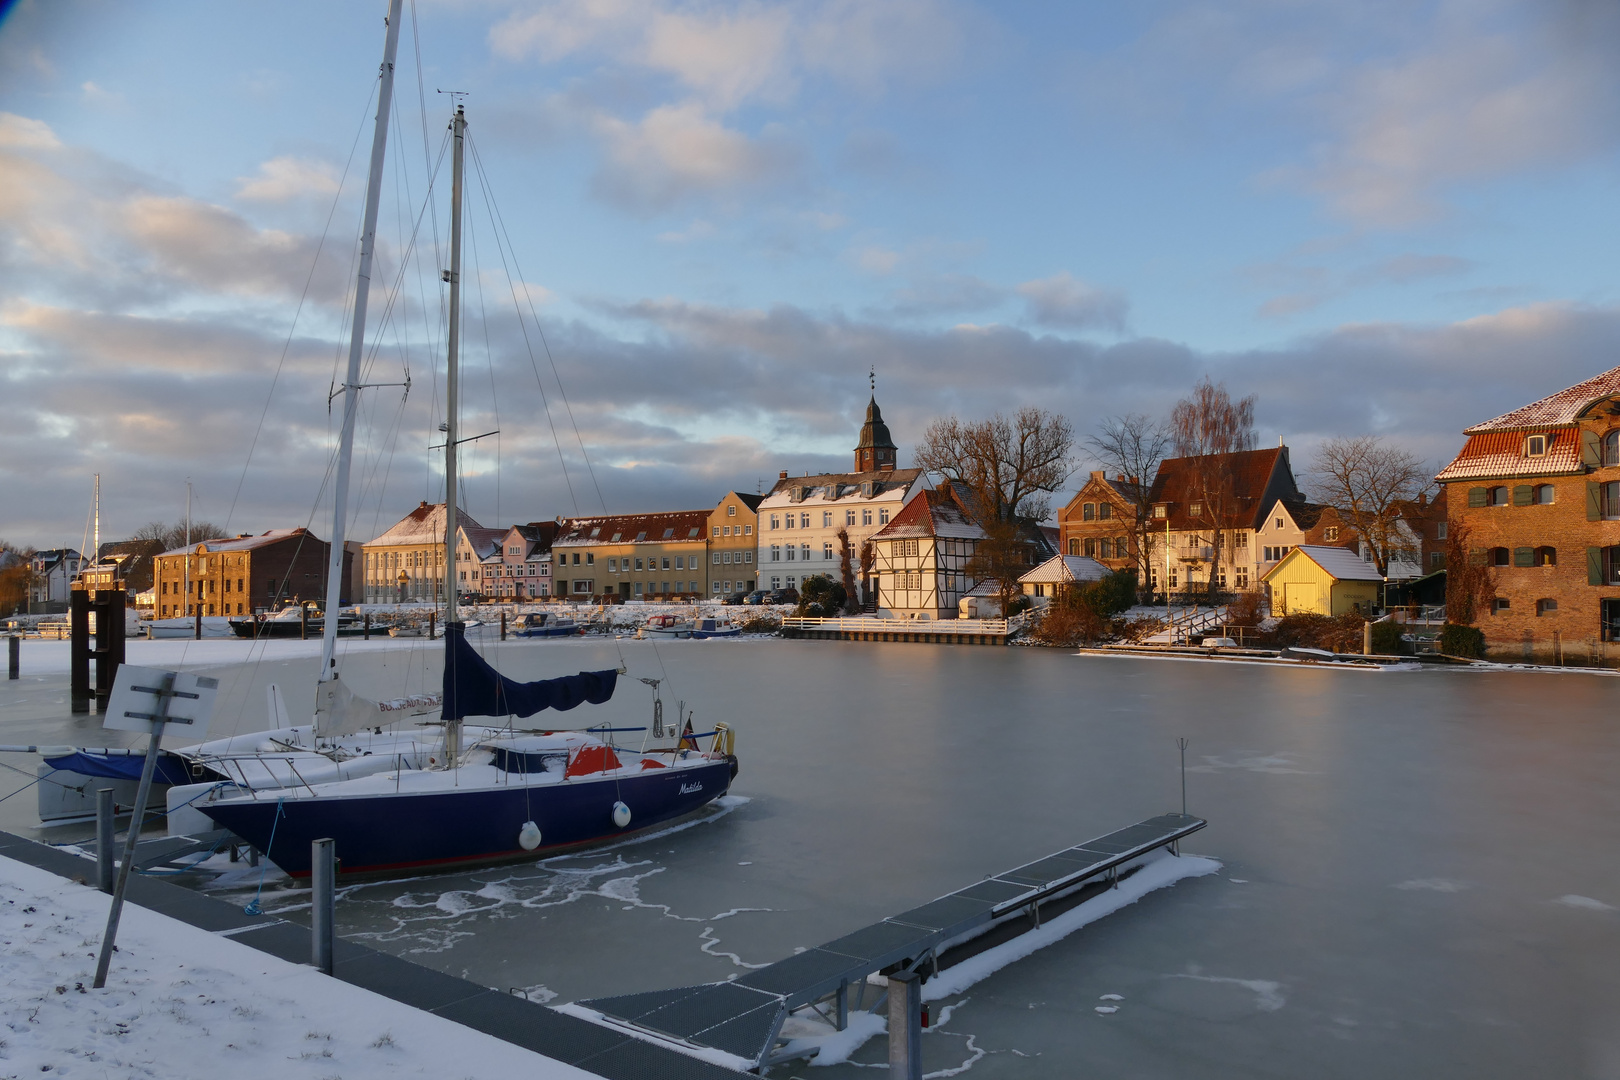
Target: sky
point(694, 230)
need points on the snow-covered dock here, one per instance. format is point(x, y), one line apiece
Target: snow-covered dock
point(741, 1023)
point(199, 989)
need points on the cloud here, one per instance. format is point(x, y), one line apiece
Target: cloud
point(1065, 302)
point(676, 151)
point(21, 132)
point(96, 95)
point(1404, 269)
point(284, 178)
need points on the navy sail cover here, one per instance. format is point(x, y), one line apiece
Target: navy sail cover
point(473, 688)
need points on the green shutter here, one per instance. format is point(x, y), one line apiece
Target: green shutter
point(1594, 502)
point(1477, 556)
point(1594, 566)
point(1524, 556)
point(1476, 496)
point(1523, 495)
point(1591, 448)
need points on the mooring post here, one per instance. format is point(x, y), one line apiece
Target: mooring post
point(323, 895)
point(431, 616)
point(503, 626)
point(14, 654)
point(366, 634)
point(905, 1026)
point(303, 622)
point(79, 655)
point(1366, 639)
point(104, 839)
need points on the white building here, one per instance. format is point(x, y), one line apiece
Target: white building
point(801, 517)
point(52, 574)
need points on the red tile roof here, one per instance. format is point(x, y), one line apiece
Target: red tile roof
point(1179, 484)
point(1564, 407)
point(933, 512)
point(1500, 455)
point(681, 525)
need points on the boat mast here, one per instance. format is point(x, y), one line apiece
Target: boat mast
point(452, 394)
point(357, 340)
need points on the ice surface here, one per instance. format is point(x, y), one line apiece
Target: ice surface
point(1434, 884)
point(1107, 1009)
point(1268, 994)
point(182, 1003)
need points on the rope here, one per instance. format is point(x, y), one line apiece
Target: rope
point(253, 907)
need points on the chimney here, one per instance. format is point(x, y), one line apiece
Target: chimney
point(784, 474)
point(1423, 499)
point(1099, 475)
point(1119, 478)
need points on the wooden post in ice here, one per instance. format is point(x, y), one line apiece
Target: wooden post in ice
point(104, 839)
point(1366, 638)
point(14, 657)
point(323, 901)
point(905, 1026)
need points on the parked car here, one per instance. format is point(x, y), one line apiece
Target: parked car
point(758, 596)
point(783, 596)
point(736, 598)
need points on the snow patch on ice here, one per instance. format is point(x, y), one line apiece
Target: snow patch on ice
point(806, 1031)
point(1107, 1010)
point(1268, 994)
point(1434, 884)
point(1584, 902)
point(1278, 763)
point(1112, 997)
point(1155, 873)
point(702, 1053)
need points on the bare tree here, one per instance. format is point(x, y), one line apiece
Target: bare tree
point(16, 575)
point(1212, 428)
point(1008, 467)
point(846, 563)
point(1001, 557)
point(174, 536)
point(1470, 579)
point(1369, 483)
point(1132, 446)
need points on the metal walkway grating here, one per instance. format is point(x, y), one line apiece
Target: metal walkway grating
point(744, 1016)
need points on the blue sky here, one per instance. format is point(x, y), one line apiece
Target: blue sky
point(1378, 217)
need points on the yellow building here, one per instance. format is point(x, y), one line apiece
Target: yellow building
point(1312, 579)
point(633, 556)
point(732, 543)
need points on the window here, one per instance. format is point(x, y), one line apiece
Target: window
point(1074, 546)
point(1243, 577)
point(849, 517)
point(1608, 500)
point(1546, 556)
point(776, 556)
point(748, 530)
point(1159, 512)
point(1440, 531)
point(804, 552)
point(584, 587)
point(731, 510)
point(791, 552)
point(1543, 495)
point(866, 517)
point(1499, 604)
point(1090, 548)
point(717, 531)
point(789, 518)
point(1105, 511)
point(1611, 448)
point(1497, 496)
point(826, 550)
point(715, 558)
point(883, 516)
point(638, 588)
point(1500, 556)
point(715, 588)
point(1088, 512)
point(826, 519)
point(1196, 509)
point(1240, 539)
point(613, 566)
point(638, 564)
point(773, 521)
point(590, 558)
point(1331, 533)
point(1105, 548)
point(804, 520)
point(514, 551)
point(1546, 607)
point(1535, 446)
point(666, 563)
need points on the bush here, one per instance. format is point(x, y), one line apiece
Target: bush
point(762, 624)
point(1020, 603)
point(1465, 641)
point(1070, 624)
point(820, 596)
point(1308, 630)
point(1106, 597)
point(1244, 609)
point(1386, 638)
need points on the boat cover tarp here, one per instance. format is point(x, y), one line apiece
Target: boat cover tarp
point(340, 711)
point(473, 688)
point(169, 770)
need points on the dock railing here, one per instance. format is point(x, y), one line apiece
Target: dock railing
point(933, 626)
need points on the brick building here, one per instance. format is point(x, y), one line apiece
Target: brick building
point(1534, 496)
point(244, 574)
point(1100, 522)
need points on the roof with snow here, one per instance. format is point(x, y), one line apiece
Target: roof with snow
point(674, 526)
point(1564, 407)
point(246, 542)
point(887, 485)
point(425, 525)
point(1339, 563)
point(935, 512)
point(1064, 569)
point(1503, 454)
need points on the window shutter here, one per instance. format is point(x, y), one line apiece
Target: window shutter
point(1591, 448)
point(1524, 557)
point(1476, 556)
point(1476, 496)
point(1523, 495)
point(1594, 566)
point(1594, 502)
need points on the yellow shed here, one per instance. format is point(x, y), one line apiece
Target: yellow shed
point(1322, 581)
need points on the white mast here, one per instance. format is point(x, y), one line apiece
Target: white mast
point(452, 394)
point(187, 563)
point(357, 340)
point(95, 543)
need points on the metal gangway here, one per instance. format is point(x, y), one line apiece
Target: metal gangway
point(744, 1017)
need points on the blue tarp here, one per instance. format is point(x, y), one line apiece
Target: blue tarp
point(473, 688)
point(169, 770)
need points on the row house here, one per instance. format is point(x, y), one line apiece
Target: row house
point(922, 557)
point(245, 574)
point(733, 540)
point(406, 563)
point(801, 517)
point(1205, 522)
point(633, 556)
point(1534, 497)
point(519, 566)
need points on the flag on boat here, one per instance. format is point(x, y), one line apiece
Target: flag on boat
point(473, 688)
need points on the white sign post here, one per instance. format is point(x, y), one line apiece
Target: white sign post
point(157, 702)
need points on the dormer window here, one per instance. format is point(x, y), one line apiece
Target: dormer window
point(1196, 509)
point(1161, 511)
point(1535, 446)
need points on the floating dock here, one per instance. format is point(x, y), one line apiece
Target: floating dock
point(743, 1018)
point(937, 632)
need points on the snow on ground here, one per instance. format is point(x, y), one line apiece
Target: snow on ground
point(181, 1003)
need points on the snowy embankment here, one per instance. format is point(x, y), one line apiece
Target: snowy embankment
point(183, 1003)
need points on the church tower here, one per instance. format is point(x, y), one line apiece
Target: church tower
point(876, 453)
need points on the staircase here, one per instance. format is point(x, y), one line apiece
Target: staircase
point(1188, 625)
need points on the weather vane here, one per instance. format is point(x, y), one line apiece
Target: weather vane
point(871, 374)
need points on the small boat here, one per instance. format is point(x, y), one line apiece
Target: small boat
point(714, 628)
point(543, 625)
point(213, 626)
point(289, 622)
point(665, 626)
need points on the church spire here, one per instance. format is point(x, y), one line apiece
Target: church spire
point(876, 453)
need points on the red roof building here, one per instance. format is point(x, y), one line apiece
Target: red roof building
point(1203, 513)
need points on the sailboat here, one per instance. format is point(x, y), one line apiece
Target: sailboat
point(447, 795)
